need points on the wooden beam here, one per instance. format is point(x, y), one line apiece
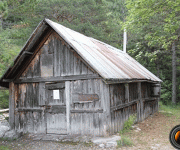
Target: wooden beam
point(87, 111)
point(116, 81)
point(37, 46)
point(58, 79)
point(7, 80)
point(55, 86)
point(27, 53)
point(124, 105)
point(4, 110)
point(30, 109)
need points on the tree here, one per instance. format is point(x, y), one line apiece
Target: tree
point(3, 11)
point(159, 24)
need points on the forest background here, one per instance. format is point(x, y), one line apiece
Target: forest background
point(153, 31)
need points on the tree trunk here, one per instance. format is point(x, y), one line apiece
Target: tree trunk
point(173, 73)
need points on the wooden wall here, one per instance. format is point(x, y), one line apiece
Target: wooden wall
point(56, 59)
point(128, 99)
point(29, 96)
point(90, 114)
point(92, 107)
point(29, 116)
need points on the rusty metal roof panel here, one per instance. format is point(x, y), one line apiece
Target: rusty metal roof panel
point(109, 62)
point(112, 64)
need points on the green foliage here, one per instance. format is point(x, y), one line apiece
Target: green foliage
point(4, 148)
point(125, 141)
point(4, 99)
point(128, 124)
point(3, 9)
point(170, 109)
point(153, 26)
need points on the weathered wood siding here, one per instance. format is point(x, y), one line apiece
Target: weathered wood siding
point(34, 100)
point(56, 59)
point(29, 116)
point(150, 103)
point(86, 104)
point(90, 107)
point(121, 109)
point(128, 99)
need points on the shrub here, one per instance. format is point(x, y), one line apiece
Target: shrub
point(125, 141)
point(4, 99)
point(128, 124)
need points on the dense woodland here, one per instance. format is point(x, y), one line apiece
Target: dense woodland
point(153, 29)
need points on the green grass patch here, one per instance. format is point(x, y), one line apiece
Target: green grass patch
point(125, 141)
point(128, 124)
point(170, 109)
point(4, 148)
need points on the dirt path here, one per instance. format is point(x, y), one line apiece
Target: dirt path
point(154, 135)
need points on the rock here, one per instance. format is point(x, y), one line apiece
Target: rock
point(76, 139)
point(111, 144)
point(108, 141)
point(3, 130)
point(101, 145)
point(12, 134)
point(5, 123)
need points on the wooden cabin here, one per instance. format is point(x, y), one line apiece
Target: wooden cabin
point(63, 82)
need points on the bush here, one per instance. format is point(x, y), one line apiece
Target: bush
point(4, 99)
point(4, 148)
point(128, 124)
point(125, 141)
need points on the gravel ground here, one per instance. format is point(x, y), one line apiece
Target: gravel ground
point(27, 143)
point(152, 134)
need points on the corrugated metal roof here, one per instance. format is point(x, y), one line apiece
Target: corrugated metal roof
point(109, 62)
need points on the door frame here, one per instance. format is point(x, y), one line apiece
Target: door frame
point(55, 86)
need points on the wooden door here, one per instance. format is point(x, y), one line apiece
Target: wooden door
point(56, 112)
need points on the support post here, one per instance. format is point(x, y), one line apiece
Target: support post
point(67, 94)
point(140, 107)
point(127, 92)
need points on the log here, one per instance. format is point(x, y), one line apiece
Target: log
point(4, 110)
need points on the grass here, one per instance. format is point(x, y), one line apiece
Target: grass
point(125, 140)
point(4, 148)
point(170, 109)
point(128, 124)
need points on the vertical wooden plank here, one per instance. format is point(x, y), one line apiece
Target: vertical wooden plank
point(55, 57)
point(127, 92)
point(105, 101)
point(11, 104)
point(89, 71)
point(68, 97)
point(140, 101)
point(67, 61)
point(84, 69)
point(71, 63)
point(76, 65)
point(42, 96)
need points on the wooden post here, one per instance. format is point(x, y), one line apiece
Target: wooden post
point(67, 94)
point(11, 104)
point(127, 92)
point(140, 107)
point(105, 102)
